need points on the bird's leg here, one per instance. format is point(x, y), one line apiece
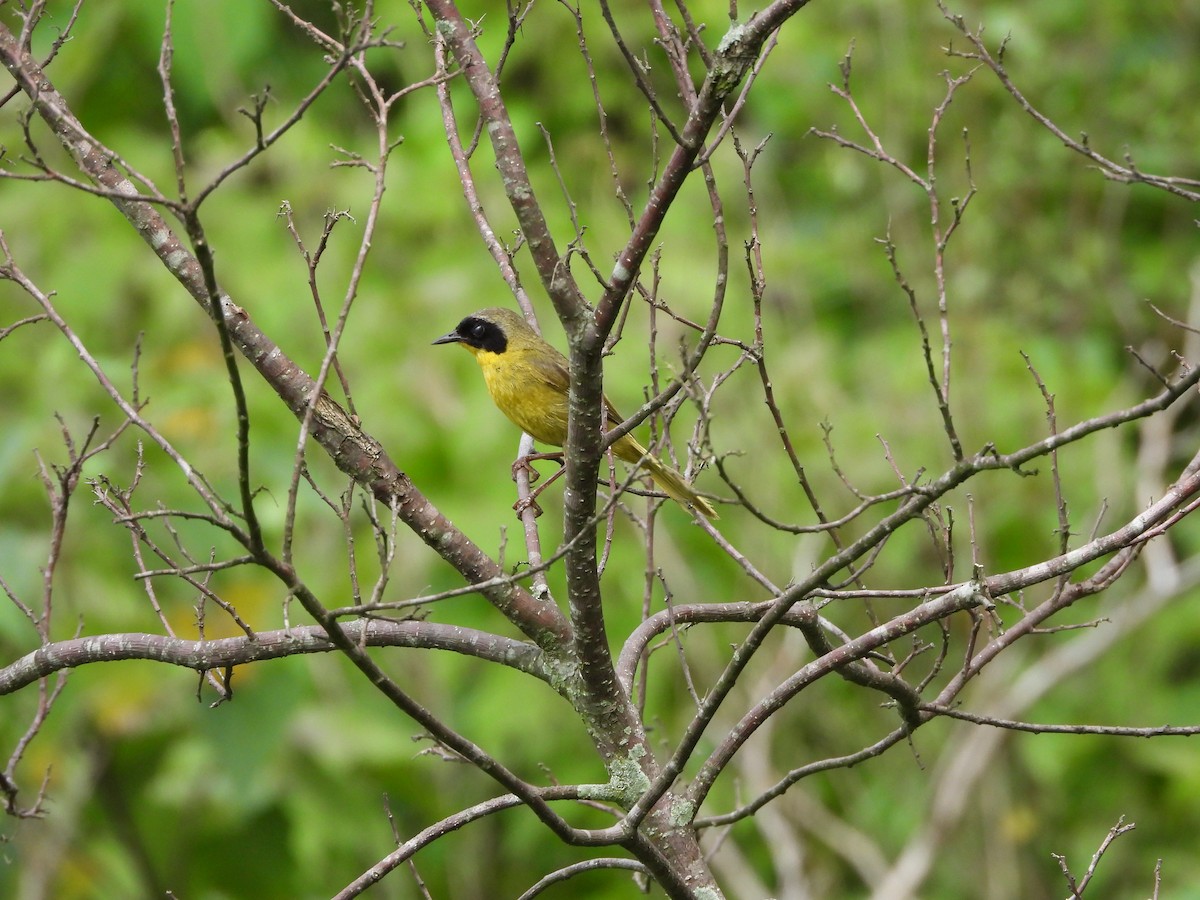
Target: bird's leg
point(524, 462)
point(531, 501)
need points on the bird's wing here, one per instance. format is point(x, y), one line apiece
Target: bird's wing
point(554, 373)
point(551, 371)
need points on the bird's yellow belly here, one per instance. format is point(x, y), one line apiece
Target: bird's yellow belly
point(535, 407)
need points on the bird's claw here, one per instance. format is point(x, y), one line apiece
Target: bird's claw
point(525, 462)
point(527, 503)
point(522, 463)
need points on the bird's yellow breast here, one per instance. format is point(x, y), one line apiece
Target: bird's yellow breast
point(522, 392)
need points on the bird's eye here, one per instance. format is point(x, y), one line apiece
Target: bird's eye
point(478, 331)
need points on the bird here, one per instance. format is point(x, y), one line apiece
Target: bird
point(528, 380)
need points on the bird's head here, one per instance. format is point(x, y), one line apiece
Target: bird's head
point(489, 330)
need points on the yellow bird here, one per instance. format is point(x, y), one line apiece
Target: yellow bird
point(528, 380)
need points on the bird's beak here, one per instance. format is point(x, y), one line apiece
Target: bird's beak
point(451, 338)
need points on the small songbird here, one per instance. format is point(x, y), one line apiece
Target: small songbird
point(528, 380)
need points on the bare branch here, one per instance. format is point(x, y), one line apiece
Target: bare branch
point(1036, 728)
point(1127, 174)
point(1077, 887)
point(591, 865)
point(205, 655)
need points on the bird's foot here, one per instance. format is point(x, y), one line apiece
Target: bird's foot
point(527, 503)
point(522, 464)
point(526, 463)
point(530, 502)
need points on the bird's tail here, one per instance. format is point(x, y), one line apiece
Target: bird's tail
point(671, 481)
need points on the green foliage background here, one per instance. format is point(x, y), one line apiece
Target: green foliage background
point(279, 793)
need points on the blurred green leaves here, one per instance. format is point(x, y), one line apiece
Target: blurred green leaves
point(280, 793)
